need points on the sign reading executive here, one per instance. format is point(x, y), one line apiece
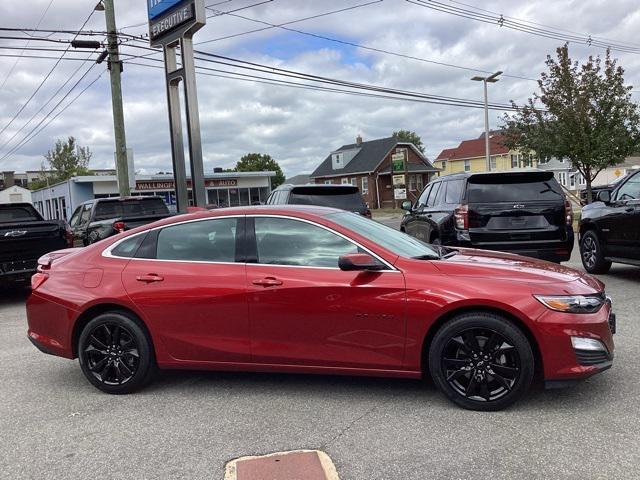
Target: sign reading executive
point(170, 20)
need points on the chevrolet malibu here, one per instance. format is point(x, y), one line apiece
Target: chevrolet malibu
point(317, 290)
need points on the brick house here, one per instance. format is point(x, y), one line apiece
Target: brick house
point(368, 166)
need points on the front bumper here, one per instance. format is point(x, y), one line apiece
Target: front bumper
point(563, 364)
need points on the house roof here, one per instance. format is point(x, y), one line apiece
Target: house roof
point(474, 148)
point(367, 159)
point(301, 179)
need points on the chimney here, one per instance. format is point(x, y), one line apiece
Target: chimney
point(9, 180)
point(359, 140)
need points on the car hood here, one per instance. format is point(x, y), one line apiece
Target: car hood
point(485, 263)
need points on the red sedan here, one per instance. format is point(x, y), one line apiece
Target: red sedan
point(317, 290)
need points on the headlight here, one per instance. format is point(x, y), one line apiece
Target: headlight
point(572, 303)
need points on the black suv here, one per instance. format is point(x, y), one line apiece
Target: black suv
point(344, 197)
point(522, 212)
point(610, 227)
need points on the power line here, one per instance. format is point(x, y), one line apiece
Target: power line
point(504, 21)
point(241, 8)
point(33, 133)
point(44, 80)
point(18, 59)
point(373, 49)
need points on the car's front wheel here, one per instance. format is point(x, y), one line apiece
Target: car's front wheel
point(592, 255)
point(115, 353)
point(481, 361)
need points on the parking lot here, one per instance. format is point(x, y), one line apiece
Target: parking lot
point(53, 424)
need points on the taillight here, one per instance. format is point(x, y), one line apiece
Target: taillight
point(568, 212)
point(38, 279)
point(118, 226)
point(461, 214)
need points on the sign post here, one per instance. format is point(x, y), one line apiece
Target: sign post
point(172, 24)
point(400, 174)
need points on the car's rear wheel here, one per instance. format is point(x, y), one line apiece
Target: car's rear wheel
point(481, 361)
point(592, 255)
point(115, 353)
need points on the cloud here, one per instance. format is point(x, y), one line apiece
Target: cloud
point(298, 127)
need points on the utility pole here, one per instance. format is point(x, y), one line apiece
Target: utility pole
point(115, 69)
point(490, 79)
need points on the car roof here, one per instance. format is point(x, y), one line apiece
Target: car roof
point(290, 186)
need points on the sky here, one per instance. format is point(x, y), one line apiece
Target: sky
point(297, 127)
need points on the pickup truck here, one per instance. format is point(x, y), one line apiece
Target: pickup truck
point(101, 218)
point(24, 237)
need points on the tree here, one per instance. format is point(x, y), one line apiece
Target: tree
point(65, 160)
point(410, 137)
point(261, 162)
point(588, 116)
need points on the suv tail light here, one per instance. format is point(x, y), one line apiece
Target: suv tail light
point(568, 212)
point(461, 214)
point(118, 226)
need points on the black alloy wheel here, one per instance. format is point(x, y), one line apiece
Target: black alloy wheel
point(481, 361)
point(115, 353)
point(481, 364)
point(593, 259)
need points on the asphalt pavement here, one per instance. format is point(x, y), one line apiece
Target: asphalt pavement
point(54, 425)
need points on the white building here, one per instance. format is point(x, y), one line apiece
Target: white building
point(15, 194)
point(224, 189)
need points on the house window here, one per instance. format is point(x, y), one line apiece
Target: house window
point(581, 180)
point(365, 184)
point(493, 163)
point(562, 178)
point(526, 160)
point(63, 207)
point(444, 164)
point(572, 181)
point(515, 161)
point(328, 182)
point(412, 183)
point(48, 204)
point(467, 165)
point(419, 182)
point(354, 181)
point(345, 181)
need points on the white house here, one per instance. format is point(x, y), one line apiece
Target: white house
point(15, 194)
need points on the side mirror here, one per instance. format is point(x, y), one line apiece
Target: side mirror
point(407, 205)
point(359, 262)
point(604, 196)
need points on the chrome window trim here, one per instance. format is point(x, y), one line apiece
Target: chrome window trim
point(107, 251)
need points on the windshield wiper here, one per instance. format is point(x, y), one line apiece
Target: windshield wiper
point(426, 256)
point(449, 255)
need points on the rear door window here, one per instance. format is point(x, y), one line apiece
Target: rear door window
point(454, 191)
point(422, 201)
point(514, 189)
point(431, 200)
point(18, 214)
point(130, 208)
point(203, 241)
point(630, 190)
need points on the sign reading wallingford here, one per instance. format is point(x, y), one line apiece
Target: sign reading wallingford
point(170, 184)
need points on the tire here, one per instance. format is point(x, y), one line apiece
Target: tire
point(127, 367)
point(592, 255)
point(496, 377)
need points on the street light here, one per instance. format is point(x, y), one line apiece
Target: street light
point(493, 78)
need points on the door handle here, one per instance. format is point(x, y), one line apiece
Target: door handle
point(150, 278)
point(267, 282)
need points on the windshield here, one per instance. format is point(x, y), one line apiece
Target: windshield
point(393, 240)
point(130, 208)
point(514, 190)
point(344, 200)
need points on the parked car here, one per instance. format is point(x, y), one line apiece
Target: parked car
point(595, 190)
point(522, 212)
point(25, 236)
point(317, 290)
point(610, 227)
point(344, 197)
point(98, 219)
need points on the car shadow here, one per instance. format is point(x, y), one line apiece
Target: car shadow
point(13, 295)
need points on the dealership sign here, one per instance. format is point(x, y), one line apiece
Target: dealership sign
point(170, 20)
point(143, 185)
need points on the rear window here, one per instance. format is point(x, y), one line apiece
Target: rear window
point(342, 197)
point(130, 208)
point(490, 189)
point(17, 214)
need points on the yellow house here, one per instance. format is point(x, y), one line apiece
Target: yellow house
point(469, 156)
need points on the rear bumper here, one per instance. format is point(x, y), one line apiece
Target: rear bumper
point(553, 251)
point(50, 326)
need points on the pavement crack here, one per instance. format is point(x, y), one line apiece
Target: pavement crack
point(348, 427)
